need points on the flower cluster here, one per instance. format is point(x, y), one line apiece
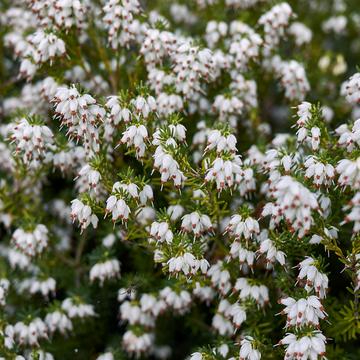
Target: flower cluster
point(119, 17)
point(197, 223)
point(81, 114)
point(310, 346)
point(109, 269)
point(84, 214)
point(29, 333)
point(31, 138)
point(191, 63)
point(32, 241)
point(76, 308)
point(302, 312)
point(58, 321)
point(259, 293)
point(321, 173)
point(316, 279)
point(294, 203)
point(274, 22)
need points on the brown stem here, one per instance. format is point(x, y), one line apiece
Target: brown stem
point(64, 259)
point(88, 73)
point(218, 223)
point(356, 304)
point(353, 269)
point(79, 251)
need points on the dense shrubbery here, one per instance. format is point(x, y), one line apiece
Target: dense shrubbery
point(217, 139)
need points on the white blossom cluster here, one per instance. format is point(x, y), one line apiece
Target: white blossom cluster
point(272, 252)
point(310, 346)
point(293, 80)
point(247, 351)
point(191, 63)
point(219, 278)
point(274, 22)
point(337, 24)
point(84, 214)
point(31, 242)
point(31, 138)
point(294, 203)
point(76, 308)
point(164, 161)
point(351, 89)
point(30, 333)
point(119, 17)
point(109, 269)
point(259, 293)
point(302, 312)
point(322, 174)
point(315, 279)
point(303, 132)
point(58, 321)
point(301, 33)
point(81, 114)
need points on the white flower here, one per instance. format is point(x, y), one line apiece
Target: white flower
point(191, 64)
point(81, 114)
point(167, 165)
point(204, 293)
point(58, 321)
point(31, 332)
point(293, 80)
point(106, 356)
point(109, 240)
point(84, 214)
point(350, 89)
point(119, 18)
point(156, 45)
point(180, 302)
point(117, 112)
point(315, 279)
point(222, 143)
point(243, 227)
point(17, 258)
point(226, 106)
point(46, 286)
point(305, 311)
point(31, 242)
point(109, 269)
point(307, 347)
point(32, 138)
point(219, 278)
point(349, 173)
point(134, 344)
point(196, 356)
point(320, 172)
point(224, 172)
point(274, 21)
point(197, 223)
point(223, 326)
point(247, 351)
point(76, 308)
point(259, 293)
point(175, 211)
point(130, 312)
point(301, 32)
point(272, 253)
point(336, 24)
point(168, 104)
point(294, 202)
point(135, 135)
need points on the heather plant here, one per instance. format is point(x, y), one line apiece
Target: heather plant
point(179, 179)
